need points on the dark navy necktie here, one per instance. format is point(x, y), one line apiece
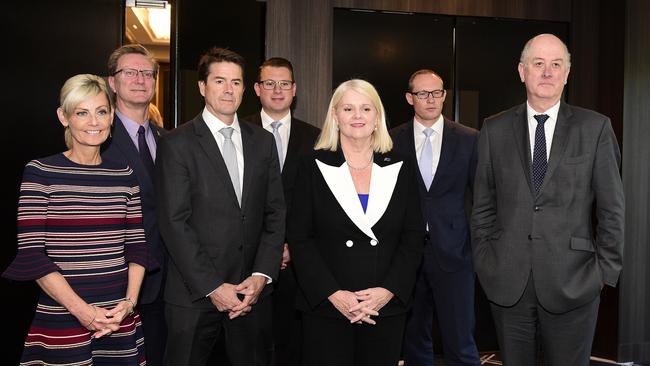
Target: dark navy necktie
point(539, 155)
point(145, 154)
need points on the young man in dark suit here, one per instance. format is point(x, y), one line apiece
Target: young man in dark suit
point(132, 76)
point(276, 88)
point(445, 152)
point(222, 215)
point(546, 170)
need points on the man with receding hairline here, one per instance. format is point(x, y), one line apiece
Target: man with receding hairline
point(445, 152)
point(548, 216)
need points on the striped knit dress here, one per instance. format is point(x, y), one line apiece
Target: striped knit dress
point(86, 223)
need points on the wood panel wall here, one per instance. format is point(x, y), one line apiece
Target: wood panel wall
point(634, 313)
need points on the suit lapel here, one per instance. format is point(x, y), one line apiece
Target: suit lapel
point(559, 141)
point(123, 141)
point(407, 137)
point(522, 141)
point(449, 143)
point(340, 183)
point(249, 149)
point(382, 183)
point(293, 151)
point(211, 149)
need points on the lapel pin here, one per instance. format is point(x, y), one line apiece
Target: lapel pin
point(386, 159)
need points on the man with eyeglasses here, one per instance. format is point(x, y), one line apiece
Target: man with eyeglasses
point(445, 152)
point(276, 89)
point(132, 77)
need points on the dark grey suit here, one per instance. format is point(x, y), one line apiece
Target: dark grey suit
point(211, 240)
point(546, 244)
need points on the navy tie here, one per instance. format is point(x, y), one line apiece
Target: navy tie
point(539, 155)
point(145, 154)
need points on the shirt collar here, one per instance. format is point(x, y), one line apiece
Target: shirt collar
point(551, 112)
point(131, 125)
point(267, 120)
point(437, 125)
point(215, 124)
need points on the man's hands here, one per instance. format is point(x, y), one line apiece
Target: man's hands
point(225, 298)
point(286, 256)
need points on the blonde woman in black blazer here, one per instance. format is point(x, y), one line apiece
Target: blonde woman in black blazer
point(356, 236)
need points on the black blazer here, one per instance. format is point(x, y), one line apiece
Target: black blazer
point(120, 148)
point(210, 238)
point(334, 246)
point(302, 139)
point(550, 234)
point(443, 205)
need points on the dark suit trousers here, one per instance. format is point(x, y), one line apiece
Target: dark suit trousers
point(451, 296)
point(334, 341)
point(155, 330)
point(193, 334)
point(563, 339)
point(287, 324)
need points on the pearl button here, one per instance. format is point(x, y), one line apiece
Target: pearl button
point(349, 243)
point(373, 242)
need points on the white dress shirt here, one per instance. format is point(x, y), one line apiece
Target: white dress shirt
point(435, 138)
point(284, 130)
point(215, 125)
point(549, 127)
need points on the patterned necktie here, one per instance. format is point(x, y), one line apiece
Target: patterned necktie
point(278, 141)
point(143, 149)
point(539, 155)
point(426, 158)
point(230, 158)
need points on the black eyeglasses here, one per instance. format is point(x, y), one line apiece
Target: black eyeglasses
point(424, 94)
point(270, 84)
point(133, 73)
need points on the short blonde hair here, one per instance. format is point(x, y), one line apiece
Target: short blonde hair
point(329, 136)
point(77, 89)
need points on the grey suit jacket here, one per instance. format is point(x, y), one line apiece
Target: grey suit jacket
point(210, 238)
point(550, 235)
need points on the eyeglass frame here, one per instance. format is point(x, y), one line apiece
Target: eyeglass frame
point(442, 93)
point(141, 72)
point(276, 82)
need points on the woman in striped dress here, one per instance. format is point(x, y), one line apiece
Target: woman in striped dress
point(80, 236)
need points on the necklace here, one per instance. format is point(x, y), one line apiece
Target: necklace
point(360, 168)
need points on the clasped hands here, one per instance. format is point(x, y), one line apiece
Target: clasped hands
point(359, 306)
point(225, 299)
point(102, 321)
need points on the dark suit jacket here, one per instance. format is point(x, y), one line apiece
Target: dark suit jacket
point(120, 148)
point(210, 239)
point(443, 206)
point(302, 138)
point(335, 246)
point(551, 234)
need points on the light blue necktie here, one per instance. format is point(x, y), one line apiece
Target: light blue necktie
point(426, 159)
point(278, 141)
point(230, 158)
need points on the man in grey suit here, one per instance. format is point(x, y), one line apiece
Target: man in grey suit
point(547, 222)
point(222, 216)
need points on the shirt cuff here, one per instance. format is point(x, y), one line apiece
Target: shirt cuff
point(268, 279)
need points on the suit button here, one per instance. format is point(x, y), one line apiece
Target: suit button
point(349, 243)
point(240, 248)
point(536, 208)
point(373, 242)
point(530, 237)
point(243, 217)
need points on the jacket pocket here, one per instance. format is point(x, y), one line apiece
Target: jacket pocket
point(576, 159)
point(582, 244)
